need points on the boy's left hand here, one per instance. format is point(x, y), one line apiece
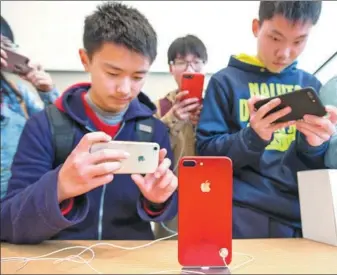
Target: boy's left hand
point(318, 130)
point(158, 187)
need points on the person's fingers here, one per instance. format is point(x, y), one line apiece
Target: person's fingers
point(261, 113)
point(101, 169)
point(89, 139)
point(162, 168)
point(275, 116)
point(181, 95)
point(107, 155)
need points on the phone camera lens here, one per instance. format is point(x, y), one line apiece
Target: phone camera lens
point(155, 148)
point(310, 95)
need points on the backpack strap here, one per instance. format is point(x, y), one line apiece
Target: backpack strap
point(63, 133)
point(145, 129)
point(165, 105)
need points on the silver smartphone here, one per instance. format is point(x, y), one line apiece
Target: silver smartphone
point(143, 159)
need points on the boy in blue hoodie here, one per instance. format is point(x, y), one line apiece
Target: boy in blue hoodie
point(266, 155)
point(82, 198)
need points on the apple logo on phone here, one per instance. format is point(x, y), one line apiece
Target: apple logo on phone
point(205, 187)
point(141, 158)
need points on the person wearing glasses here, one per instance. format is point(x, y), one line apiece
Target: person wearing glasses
point(185, 54)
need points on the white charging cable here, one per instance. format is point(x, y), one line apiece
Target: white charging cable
point(77, 258)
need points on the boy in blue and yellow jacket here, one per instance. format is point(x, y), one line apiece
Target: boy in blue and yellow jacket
point(266, 155)
point(82, 198)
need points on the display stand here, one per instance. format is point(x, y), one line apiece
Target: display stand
point(206, 270)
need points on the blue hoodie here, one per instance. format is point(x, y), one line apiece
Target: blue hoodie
point(31, 214)
point(265, 175)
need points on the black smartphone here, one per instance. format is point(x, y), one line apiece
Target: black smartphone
point(302, 102)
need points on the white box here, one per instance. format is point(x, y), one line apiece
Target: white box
point(318, 203)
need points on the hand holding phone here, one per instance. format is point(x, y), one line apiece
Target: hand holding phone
point(143, 156)
point(316, 129)
point(11, 60)
point(183, 108)
point(271, 114)
point(263, 122)
point(159, 186)
point(194, 84)
point(83, 171)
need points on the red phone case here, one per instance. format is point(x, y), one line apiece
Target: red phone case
point(204, 218)
point(194, 83)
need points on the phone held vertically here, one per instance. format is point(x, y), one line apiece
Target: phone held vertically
point(205, 211)
point(194, 84)
point(143, 159)
point(302, 102)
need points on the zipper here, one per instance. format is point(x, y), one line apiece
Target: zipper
point(101, 205)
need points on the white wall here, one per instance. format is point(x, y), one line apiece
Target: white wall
point(157, 84)
point(51, 32)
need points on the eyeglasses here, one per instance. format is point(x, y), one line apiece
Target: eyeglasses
point(197, 65)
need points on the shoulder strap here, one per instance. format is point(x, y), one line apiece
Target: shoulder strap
point(165, 105)
point(145, 129)
point(62, 133)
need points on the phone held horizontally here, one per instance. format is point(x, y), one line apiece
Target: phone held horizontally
point(143, 159)
point(302, 102)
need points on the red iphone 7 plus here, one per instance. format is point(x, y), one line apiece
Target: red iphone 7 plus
point(194, 84)
point(205, 211)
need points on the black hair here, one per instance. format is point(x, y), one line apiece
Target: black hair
point(295, 11)
point(125, 26)
point(6, 29)
point(189, 44)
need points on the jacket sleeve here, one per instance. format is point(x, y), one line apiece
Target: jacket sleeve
point(328, 95)
point(170, 207)
point(331, 154)
point(33, 102)
point(216, 134)
point(30, 213)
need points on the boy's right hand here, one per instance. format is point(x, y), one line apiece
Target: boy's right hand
point(182, 109)
point(266, 126)
point(83, 171)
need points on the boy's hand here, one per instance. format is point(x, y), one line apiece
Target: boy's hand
point(158, 187)
point(182, 108)
point(266, 126)
point(83, 171)
point(318, 130)
point(40, 79)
